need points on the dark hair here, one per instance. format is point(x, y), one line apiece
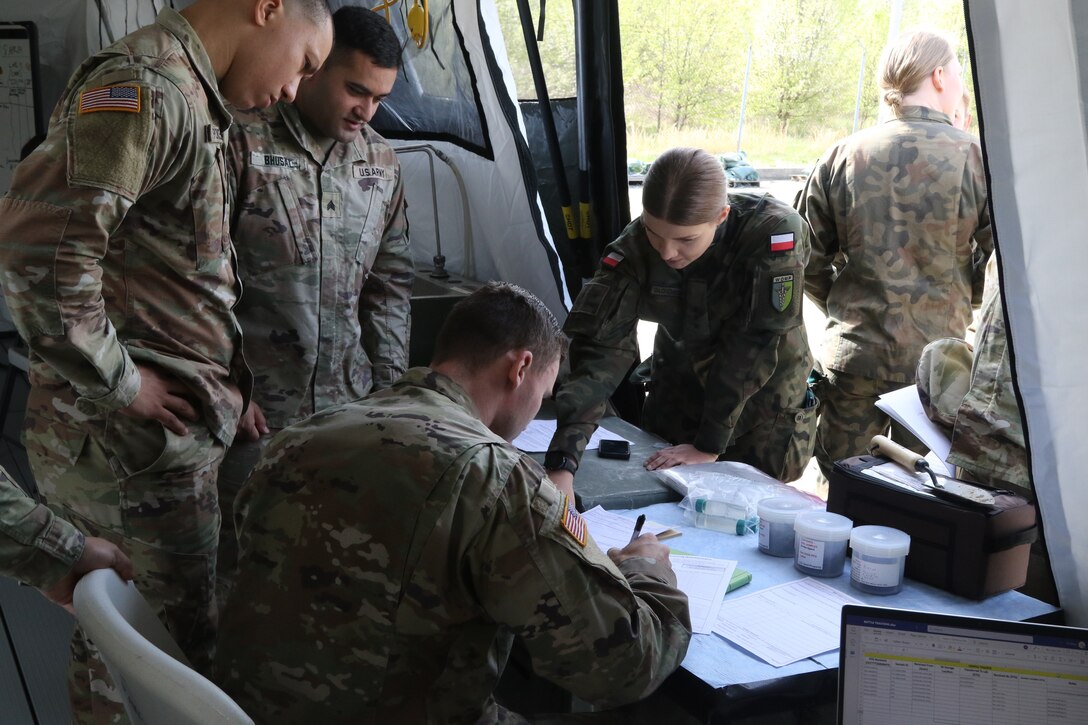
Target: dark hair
point(317, 11)
point(685, 186)
point(494, 320)
point(356, 28)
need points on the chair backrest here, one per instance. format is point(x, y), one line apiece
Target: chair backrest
point(154, 677)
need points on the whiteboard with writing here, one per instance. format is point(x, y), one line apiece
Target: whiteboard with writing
point(18, 107)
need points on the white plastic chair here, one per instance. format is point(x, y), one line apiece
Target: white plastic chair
point(158, 685)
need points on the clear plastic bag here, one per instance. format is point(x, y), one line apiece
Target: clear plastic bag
point(723, 496)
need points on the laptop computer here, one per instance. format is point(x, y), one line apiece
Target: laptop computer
point(901, 666)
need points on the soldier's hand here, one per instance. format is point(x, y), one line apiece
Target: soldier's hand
point(564, 481)
point(646, 546)
point(97, 554)
point(161, 397)
point(677, 456)
point(253, 424)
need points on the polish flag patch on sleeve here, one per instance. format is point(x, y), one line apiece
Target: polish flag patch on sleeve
point(573, 523)
point(612, 259)
point(782, 242)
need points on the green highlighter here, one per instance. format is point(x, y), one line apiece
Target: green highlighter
point(740, 578)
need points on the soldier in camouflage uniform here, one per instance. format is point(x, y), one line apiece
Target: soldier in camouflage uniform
point(45, 551)
point(731, 357)
point(119, 272)
point(393, 547)
point(320, 229)
point(900, 239)
point(970, 393)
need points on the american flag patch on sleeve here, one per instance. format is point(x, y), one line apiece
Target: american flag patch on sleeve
point(573, 523)
point(110, 98)
point(782, 242)
point(612, 259)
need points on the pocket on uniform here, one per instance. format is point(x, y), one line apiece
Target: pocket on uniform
point(270, 232)
point(802, 440)
point(206, 196)
point(371, 225)
point(55, 442)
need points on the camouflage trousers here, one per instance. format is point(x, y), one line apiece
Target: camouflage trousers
point(777, 442)
point(153, 493)
point(238, 463)
point(849, 417)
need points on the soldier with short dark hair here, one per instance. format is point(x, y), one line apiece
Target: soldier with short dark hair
point(900, 238)
point(322, 239)
point(392, 548)
point(119, 272)
point(722, 276)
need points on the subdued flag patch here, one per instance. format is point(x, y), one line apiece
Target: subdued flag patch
point(612, 259)
point(782, 242)
point(110, 98)
point(573, 523)
point(782, 292)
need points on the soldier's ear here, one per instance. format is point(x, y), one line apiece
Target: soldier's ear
point(265, 11)
point(724, 214)
point(518, 369)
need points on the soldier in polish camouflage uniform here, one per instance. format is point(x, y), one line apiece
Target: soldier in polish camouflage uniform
point(119, 273)
point(322, 239)
point(900, 239)
point(731, 356)
point(45, 551)
point(393, 547)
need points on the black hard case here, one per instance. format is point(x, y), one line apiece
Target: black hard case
point(969, 550)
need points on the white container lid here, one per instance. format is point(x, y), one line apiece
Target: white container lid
point(781, 509)
point(880, 541)
point(822, 525)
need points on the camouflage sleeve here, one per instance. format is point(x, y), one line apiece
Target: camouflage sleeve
point(975, 197)
point(602, 327)
point(747, 354)
point(385, 301)
point(609, 636)
point(36, 547)
point(819, 205)
point(65, 200)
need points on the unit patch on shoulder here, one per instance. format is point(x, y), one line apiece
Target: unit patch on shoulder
point(782, 242)
point(573, 523)
point(782, 291)
point(110, 98)
point(612, 259)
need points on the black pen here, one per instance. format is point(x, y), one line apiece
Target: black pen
point(638, 527)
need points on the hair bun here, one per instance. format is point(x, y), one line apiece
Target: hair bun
point(893, 97)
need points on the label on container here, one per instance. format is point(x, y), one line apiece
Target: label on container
point(874, 574)
point(764, 534)
point(810, 553)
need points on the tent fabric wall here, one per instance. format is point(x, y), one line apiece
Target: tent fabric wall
point(1029, 65)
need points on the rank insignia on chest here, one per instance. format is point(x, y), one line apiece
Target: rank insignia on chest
point(213, 134)
point(611, 260)
point(781, 292)
point(331, 205)
point(573, 523)
point(110, 98)
point(782, 242)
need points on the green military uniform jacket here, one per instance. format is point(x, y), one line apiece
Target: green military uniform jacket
point(35, 546)
point(393, 547)
point(900, 238)
point(730, 341)
point(114, 244)
point(322, 242)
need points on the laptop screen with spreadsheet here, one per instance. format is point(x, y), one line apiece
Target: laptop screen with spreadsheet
point(899, 666)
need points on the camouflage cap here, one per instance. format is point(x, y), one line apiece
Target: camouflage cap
point(944, 376)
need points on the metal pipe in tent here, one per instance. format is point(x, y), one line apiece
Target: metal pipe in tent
point(586, 251)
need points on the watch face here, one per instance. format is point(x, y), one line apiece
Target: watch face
point(558, 461)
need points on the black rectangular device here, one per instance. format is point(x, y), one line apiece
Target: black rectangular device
point(620, 450)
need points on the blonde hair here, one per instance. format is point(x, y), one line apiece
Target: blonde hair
point(685, 186)
point(910, 60)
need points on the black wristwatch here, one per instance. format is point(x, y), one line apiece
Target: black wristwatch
point(559, 461)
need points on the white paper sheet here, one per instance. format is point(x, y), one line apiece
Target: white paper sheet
point(785, 623)
point(705, 581)
point(905, 406)
point(538, 435)
point(614, 530)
